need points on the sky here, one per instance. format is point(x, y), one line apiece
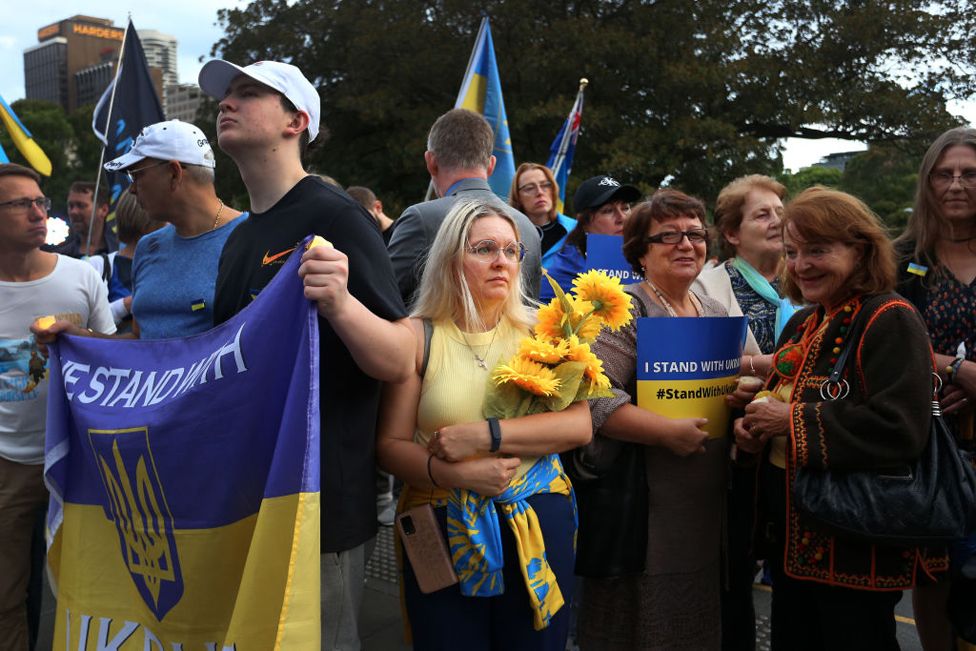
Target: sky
point(193, 23)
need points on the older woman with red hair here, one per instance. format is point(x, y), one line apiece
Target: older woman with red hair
point(831, 591)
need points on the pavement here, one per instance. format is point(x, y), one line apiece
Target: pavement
point(381, 628)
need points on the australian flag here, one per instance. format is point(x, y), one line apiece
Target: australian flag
point(564, 146)
point(117, 121)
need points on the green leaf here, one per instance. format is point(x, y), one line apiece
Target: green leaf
point(570, 376)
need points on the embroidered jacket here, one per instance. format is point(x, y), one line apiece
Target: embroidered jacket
point(882, 423)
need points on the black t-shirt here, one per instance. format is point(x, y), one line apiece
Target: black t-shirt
point(253, 254)
point(552, 233)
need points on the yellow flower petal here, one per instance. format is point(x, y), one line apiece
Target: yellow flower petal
point(528, 375)
point(550, 321)
point(544, 350)
point(580, 352)
point(610, 302)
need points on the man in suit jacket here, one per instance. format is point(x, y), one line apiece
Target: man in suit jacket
point(459, 160)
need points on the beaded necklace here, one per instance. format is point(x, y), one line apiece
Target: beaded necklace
point(789, 358)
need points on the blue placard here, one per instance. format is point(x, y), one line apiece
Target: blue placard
point(605, 253)
point(671, 348)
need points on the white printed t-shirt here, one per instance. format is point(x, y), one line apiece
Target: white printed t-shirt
point(73, 291)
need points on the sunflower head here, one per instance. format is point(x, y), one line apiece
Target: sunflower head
point(551, 321)
point(610, 302)
point(531, 376)
point(543, 350)
point(580, 352)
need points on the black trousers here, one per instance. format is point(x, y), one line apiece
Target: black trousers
point(738, 611)
point(809, 616)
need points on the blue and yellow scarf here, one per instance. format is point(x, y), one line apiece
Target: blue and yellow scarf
point(474, 537)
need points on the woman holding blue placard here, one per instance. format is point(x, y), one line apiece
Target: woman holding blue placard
point(602, 206)
point(937, 273)
point(833, 591)
point(673, 600)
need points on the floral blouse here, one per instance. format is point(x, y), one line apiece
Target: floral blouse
point(951, 316)
point(761, 313)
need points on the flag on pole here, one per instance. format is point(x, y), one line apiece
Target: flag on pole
point(481, 92)
point(23, 141)
point(564, 146)
point(181, 516)
point(127, 105)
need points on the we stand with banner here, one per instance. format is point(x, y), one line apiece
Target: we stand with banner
point(184, 479)
point(686, 367)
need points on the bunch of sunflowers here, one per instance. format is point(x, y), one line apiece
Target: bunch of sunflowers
point(555, 367)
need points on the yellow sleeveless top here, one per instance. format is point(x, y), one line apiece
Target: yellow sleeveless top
point(454, 383)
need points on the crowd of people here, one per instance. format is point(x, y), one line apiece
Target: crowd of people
point(416, 312)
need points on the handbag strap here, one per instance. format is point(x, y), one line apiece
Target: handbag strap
point(854, 335)
point(840, 386)
point(835, 387)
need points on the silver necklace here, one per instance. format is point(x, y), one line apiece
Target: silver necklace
point(667, 304)
point(478, 358)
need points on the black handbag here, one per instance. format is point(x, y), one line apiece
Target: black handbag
point(612, 535)
point(929, 502)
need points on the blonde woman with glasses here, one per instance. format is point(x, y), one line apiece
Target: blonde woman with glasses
point(514, 554)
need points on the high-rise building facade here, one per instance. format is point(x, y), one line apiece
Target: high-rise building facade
point(183, 101)
point(160, 52)
point(64, 48)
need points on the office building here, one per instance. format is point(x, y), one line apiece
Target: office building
point(65, 48)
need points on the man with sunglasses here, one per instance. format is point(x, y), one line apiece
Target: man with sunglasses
point(460, 161)
point(33, 283)
point(174, 272)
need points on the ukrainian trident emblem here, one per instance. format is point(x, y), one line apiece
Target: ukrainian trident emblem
point(138, 507)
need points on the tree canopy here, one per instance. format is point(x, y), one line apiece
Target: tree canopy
point(692, 94)
point(68, 141)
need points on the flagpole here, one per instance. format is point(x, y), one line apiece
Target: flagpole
point(108, 123)
point(564, 145)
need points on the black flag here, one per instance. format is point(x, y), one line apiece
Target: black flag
point(134, 107)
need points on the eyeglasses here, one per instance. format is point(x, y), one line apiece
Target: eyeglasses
point(487, 251)
point(25, 204)
point(532, 188)
point(943, 180)
point(695, 236)
point(133, 174)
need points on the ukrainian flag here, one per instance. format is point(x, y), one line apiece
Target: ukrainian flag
point(184, 478)
point(23, 140)
point(563, 147)
point(481, 92)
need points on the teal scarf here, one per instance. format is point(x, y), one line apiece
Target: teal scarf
point(784, 308)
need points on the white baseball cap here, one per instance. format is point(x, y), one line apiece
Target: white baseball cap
point(170, 140)
point(216, 75)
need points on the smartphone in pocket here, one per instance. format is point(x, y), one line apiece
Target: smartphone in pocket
point(425, 546)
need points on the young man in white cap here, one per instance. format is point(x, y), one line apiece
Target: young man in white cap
point(268, 112)
point(171, 167)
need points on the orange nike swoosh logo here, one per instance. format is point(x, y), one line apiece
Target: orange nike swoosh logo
point(268, 259)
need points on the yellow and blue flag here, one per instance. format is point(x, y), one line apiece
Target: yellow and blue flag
point(481, 92)
point(563, 147)
point(184, 478)
point(23, 141)
point(686, 367)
